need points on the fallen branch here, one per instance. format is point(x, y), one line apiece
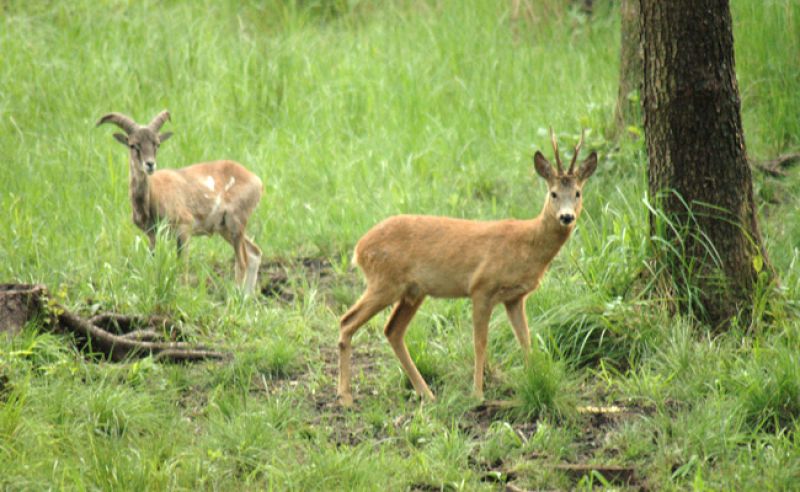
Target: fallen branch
point(189, 355)
point(776, 167)
point(510, 487)
point(133, 327)
point(593, 410)
point(497, 404)
point(126, 323)
point(147, 335)
point(119, 347)
point(21, 303)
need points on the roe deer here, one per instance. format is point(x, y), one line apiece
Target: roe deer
point(408, 257)
point(202, 199)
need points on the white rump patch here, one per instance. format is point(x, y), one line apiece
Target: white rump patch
point(209, 182)
point(230, 183)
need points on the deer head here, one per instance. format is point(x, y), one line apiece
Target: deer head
point(143, 141)
point(564, 188)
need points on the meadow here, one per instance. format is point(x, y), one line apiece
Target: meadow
point(351, 111)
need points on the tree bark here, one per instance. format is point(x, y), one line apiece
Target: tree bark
point(628, 109)
point(19, 303)
point(698, 173)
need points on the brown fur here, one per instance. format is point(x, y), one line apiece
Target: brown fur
point(408, 257)
point(202, 199)
point(194, 208)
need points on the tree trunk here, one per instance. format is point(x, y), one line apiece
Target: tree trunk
point(698, 173)
point(628, 110)
point(19, 303)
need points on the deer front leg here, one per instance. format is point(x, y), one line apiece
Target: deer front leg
point(481, 311)
point(516, 314)
point(182, 242)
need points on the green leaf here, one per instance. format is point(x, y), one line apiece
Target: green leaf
point(758, 263)
point(635, 130)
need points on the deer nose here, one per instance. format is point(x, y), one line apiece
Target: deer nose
point(566, 219)
point(150, 166)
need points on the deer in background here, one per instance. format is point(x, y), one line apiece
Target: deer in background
point(202, 199)
point(408, 257)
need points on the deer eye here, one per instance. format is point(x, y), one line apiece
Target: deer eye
point(577, 194)
point(553, 194)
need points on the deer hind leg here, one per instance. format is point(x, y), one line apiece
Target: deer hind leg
point(233, 232)
point(240, 259)
point(236, 239)
point(395, 331)
point(365, 308)
point(253, 263)
point(151, 241)
point(481, 312)
point(516, 314)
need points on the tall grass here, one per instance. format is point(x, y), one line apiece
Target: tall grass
point(351, 111)
point(323, 112)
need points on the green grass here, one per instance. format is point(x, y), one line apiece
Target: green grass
point(351, 111)
point(545, 389)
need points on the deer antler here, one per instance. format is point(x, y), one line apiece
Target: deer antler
point(119, 119)
point(575, 155)
point(555, 151)
point(159, 120)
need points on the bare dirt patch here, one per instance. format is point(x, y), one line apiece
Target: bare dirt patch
point(598, 424)
point(289, 279)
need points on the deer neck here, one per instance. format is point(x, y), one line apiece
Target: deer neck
point(548, 235)
point(139, 192)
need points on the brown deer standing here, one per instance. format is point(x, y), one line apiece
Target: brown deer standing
point(202, 199)
point(408, 257)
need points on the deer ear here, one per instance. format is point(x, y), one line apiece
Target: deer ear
point(123, 139)
point(542, 166)
point(588, 167)
point(162, 137)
